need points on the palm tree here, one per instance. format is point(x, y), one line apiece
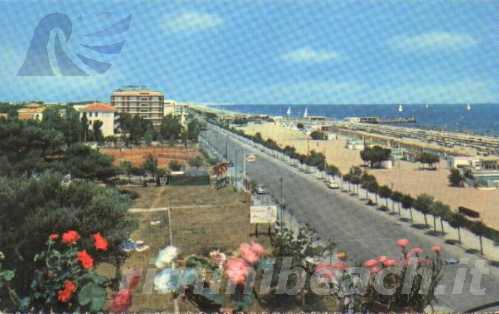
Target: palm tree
point(407, 202)
point(397, 198)
point(479, 229)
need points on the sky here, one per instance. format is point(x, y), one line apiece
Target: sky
point(264, 52)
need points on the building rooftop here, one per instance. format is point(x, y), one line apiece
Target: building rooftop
point(97, 107)
point(136, 90)
point(32, 108)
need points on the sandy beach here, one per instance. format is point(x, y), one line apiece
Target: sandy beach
point(406, 177)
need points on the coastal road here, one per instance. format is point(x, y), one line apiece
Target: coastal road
point(359, 229)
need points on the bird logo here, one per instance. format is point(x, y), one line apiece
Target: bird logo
point(50, 55)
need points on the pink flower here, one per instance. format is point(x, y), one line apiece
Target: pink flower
point(257, 248)
point(389, 262)
point(382, 259)
point(374, 270)
point(237, 270)
point(403, 243)
point(371, 263)
point(436, 248)
point(121, 301)
point(248, 254)
point(416, 251)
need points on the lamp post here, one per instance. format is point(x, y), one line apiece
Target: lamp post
point(282, 200)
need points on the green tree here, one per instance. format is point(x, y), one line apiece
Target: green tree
point(455, 178)
point(375, 155)
point(26, 147)
point(385, 192)
point(457, 221)
point(31, 209)
point(479, 229)
point(407, 202)
point(428, 159)
point(397, 198)
point(85, 162)
point(150, 166)
point(442, 211)
point(170, 128)
point(97, 131)
point(133, 128)
point(333, 170)
point(318, 135)
point(423, 204)
point(193, 130)
point(174, 165)
point(196, 162)
point(126, 168)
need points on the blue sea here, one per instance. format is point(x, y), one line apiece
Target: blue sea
point(481, 119)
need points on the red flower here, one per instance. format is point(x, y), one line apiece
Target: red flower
point(85, 259)
point(371, 263)
point(121, 301)
point(403, 243)
point(70, 237)
point(67, 292)
point(389, 262)
point(100, 242)
point(54, 236)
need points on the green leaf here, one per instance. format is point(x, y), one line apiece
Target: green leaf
point(7, 275)
point(92, 296)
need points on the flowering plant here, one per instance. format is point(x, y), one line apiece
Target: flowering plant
point(204, 279)
point(386, 284)
point(64, 278)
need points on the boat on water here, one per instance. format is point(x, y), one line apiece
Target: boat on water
point(305, 113)
point(468, 107)
point(427, 106)
point(401, 109)
point(288, 112)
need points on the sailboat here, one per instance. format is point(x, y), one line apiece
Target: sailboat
point(305, 114)
point(427, 106)
point(401, 108)
point(468, 107)
point(288, 112)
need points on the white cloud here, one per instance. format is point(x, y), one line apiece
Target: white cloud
point(432, 41)
point(307, 54)
point(191, 21)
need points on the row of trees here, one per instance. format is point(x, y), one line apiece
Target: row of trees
point(423, 203)
point(313, 159)
point(136, 129)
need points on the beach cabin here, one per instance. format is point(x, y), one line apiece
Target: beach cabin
point(455, 162)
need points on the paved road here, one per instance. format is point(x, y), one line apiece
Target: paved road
point(355, 227)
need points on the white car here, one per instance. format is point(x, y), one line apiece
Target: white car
point(260, 190)
point(333, 185)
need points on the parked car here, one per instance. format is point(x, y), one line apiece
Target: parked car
point(332, 184)
point(260, 189)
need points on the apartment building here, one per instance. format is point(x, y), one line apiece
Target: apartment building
point(101, 112)
point(31, 112)
point(141, 101)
